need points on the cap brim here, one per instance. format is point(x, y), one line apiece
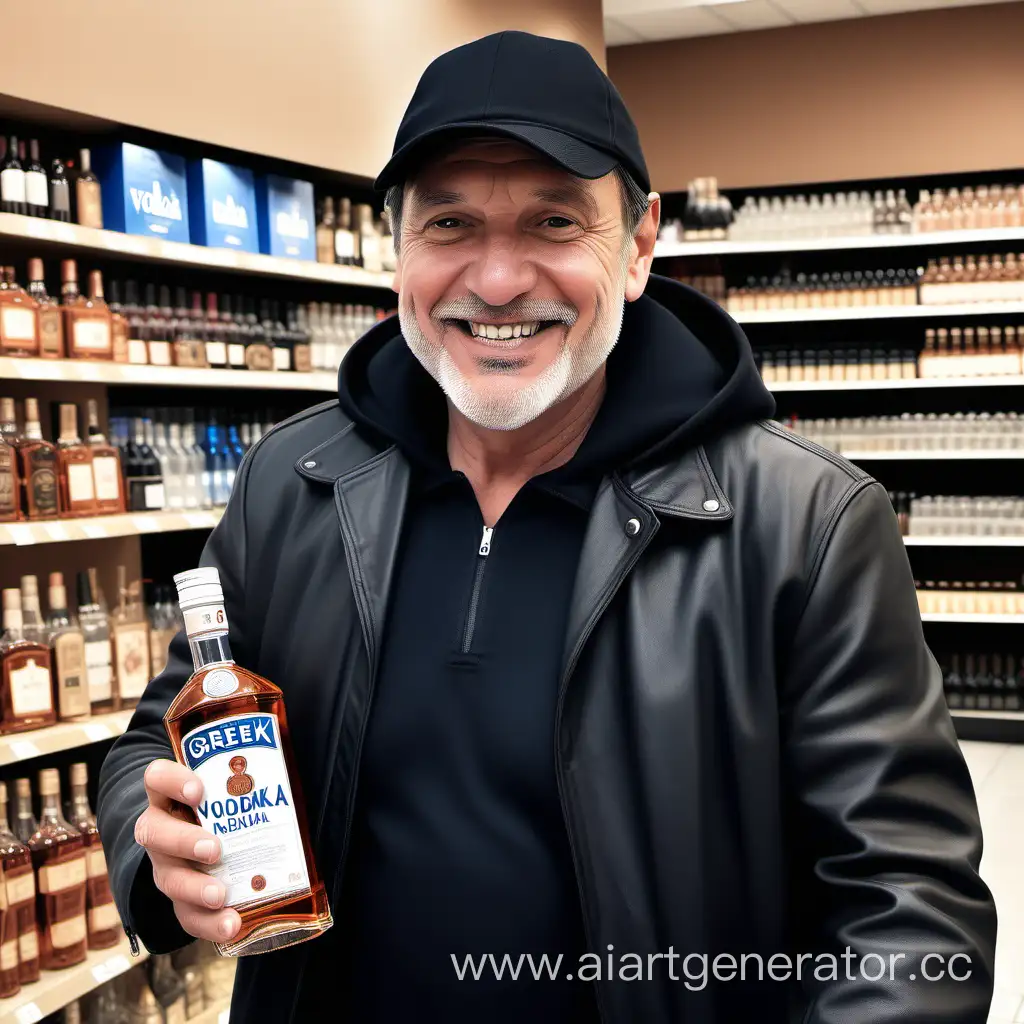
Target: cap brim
point(577, 157)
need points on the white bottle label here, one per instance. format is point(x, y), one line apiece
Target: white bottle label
point(91, 336)
point(344, 245)
point(106, 476)
point(58, 877)
point(80, 482)
point(131, 642)
point(282, 359)
point(19, 324)
point(153, 494)
point(31, 689)
point(21, 888)
point(247, 803)
point(236, 355)
point(205, 621)
point(12, 185)
point(67, 933)
point(36, 191)
point(216, 353)
point(99, 669)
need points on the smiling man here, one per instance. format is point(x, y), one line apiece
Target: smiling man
point(583, 656)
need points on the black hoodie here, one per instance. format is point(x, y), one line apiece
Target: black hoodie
point(458, 843)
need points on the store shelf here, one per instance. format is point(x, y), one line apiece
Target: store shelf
point(55, 989)
point(965, 541)
point(919, 240)
point(995, 716)
point(136, 247)
point(989, 726)
point(63, 736)
point(904, 383)
point(796, 316)
point(84, 371)
point(128, 524)
point(955, 454)
point(991, 620)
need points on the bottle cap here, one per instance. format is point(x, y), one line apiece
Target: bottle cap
point(68, 421)
point(11, 599)
point(32, 410)
point(35, 269)
point(3, 792)
point(23, 788)
point(79, 774)
point(49, 782)
point(199, 587)
point(29, 587)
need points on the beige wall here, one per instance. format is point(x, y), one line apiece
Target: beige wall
point(322, 82)
point(929, 92)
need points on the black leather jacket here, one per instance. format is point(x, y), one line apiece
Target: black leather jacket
point(754, 752)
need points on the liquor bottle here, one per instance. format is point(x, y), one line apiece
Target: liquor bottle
point(159, 324)
point(12, 181)
point(106, 466)
point(74, 467)
point(259, 349)
point(48, 312)
point(135, 314)
point(142, 472)
point(37, 468)
point(302, 350)
point(99, 656)
point(197, 466)
point(104, 926)
point(213, 333)
point(58, 855)
point(27, 689)
point(10, 482)
point(369, 240)
point(984, 684)
point(325, 233)
point(20, 890)
point(86, 321)
point(232, 335)
point(131, 640)
point(119, 327)
point(217, 466)
point(189, 346)
point(229, 726)
point(281, 338)
point(25, 823)
point(67, 642)
point(19, 319)
point(88, 202)
point(345, 243)
point(998, 702)
point(162, 628)
point(10, 983)
point(195, 997)
point(970, 685)
point(72, 1013)
point(37, 195)
point(156, 435)
point(60, 192)
point(168, 987)
point(33, 626)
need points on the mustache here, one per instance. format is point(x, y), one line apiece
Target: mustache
point(519, 310)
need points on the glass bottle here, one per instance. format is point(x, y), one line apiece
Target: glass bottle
point(20, 885)
point(144, 1007)
point(106, 466)
point(51, 320)
point(33, 625)
point(74, 467)
point(60, 192)
point(131, 640)
point(19, 318)
point(325, 233)
point(37, 196)
point(259, 350)
point(27, 691)
point(37, 468)
point(99, 660)
point(87, 328)
point(67, 642)
point(10, 481)
point(232, 335)
point(12, 180)
point(119, 328)
point(88, 201)
point(162, 628)
point(345, 245)
point(168, 987)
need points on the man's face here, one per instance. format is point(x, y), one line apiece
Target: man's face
point(512, 279)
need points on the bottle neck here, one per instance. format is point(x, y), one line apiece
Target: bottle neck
point(50, 810)
point(210, 650)
point(24, 809)
point(80, 803)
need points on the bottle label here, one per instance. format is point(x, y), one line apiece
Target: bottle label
point(30, 689)
point(220, 683)
point(103, 918)
point(236, 355)
point(17, 324)
point(12, 185)
point(259, 357)
point(99, 670)
point(216, 353)
point(8, 497)
point(95, 863)
point(44, 482)
point(248, 804)
point(153, 496)
point(80, 483)
point(37, 191)
point(90, 336)
point(28, 946)
point(9, 955)
point(72, 692)
point(58, 877)
point(132, 643)
point(159, 353)
point(67, 933)
point(344, 245)
point(21, 888)
point(90, 206)
point(51, 335)
point(107, 478)
point(204, 621)
point(137, 352)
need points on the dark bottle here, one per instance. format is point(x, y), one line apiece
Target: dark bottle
point(998, 696)
point(213, 333)
point(1014, 684)
point(954, 684)
point(168, 986)
point(282, 339)
point(970, 685)
point(232, 334)
point(158, 347)
point(142, 472)
point(984, 684)
point(12, 181)
point(259, 345)
point(136, 317)
point(60, 192)
point(37, 193)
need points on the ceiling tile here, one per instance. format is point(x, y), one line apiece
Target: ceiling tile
point(678, 24)
point(820, 10)
point(753, 15)
point(617, 34)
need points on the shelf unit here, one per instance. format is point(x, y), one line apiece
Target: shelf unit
point(154, 250)
point(797, 316)
point(957, 454)
point(900, 384)
point(62, 736)
point(965, 541)
point(915, 240)
point(989, 726)
point(991, 620)
point(126, 524)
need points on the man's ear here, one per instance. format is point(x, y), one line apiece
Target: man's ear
point(643, 249)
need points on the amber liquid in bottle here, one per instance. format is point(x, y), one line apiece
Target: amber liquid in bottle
point(20, 886)
point(26, 693)
point(228, 725)
point(10, 481)
point(74, 467)
point(58, 854)
point(19, 318)
point(106, 466)
point(37, 468)
point(87, 327)
point(51, 322)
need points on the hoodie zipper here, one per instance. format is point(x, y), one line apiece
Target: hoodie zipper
point(474, 598)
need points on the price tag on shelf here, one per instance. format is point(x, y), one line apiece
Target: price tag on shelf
point(94, 531)
point(96, 731)
point(28, 1014)
point(24, 749)
point(117, 965)
point(86, 371)
point(56, 531)
point(199, 519)
point(144, 524)
point(101, 974)
point(21, 534)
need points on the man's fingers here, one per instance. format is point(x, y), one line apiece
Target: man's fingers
point(172, 781)
point(214, 925)
point(183, 883)
point(159, 832)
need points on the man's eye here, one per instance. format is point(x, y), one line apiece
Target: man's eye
point(448, 223)
point(558, 222)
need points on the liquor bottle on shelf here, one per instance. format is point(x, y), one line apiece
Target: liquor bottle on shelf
point(60, 192)
point(144, 1008)
point(25, 823)
point(195, 996)
point(74, 467)
point(325, 233)
point(189, 346)
point(37, 196)
point(998, 684)
point(1012, 685)
point(135, 314)
point(99, 656)
point(58, 855)
point(158, 345)
point(179, 469)
point(232, 335)
point(20, 891)
point(27, 688)
point(369, 240)
point(118, 324)
point(216, 346)
point(302, 353)
point(88, 201)
point(983, 681)
point(345, 241)
point(12, 181)
point(162, 627)
point(131, 640)
point(10, 984)
point(106, 466)
point(197, 466)
point(259, 349)
point(970, 685)
point(48, 313)
point(19, 318)
point(282, 340)
point(86, 321)
point(104, 926)
point(143, 475)
point(168, 987)
point(10, 482)
point(67, 642)
point(33, 626)
point(228, 723)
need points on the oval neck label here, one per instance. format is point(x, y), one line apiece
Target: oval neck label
point(220, 683)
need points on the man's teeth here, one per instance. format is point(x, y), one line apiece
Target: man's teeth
point(503, 332)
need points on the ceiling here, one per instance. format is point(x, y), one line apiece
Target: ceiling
point(643, 21)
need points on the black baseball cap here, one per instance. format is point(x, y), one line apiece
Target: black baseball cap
point(547, 93)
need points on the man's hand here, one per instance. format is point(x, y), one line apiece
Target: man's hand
point(176, 848)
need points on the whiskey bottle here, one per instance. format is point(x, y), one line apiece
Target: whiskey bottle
point(12, 181)
point(99, 657)
point(74, 467)
point(104, 926)
point(88, 202)
point(25, 823)
point(27, 692)
point(163, 627)
point(48, 312)
point(58, 855)
point(216, 345)
point(135, 314)
point(37, 468)
point(19, 318)
point(60, 192)
point(325, 233)
point(10, 983)
point(118, 324)
point(259, 347)
point(37, 197)
point(33, 627)
point(228, 725)
point(106, 466)
point(86, 321)
point(131, 640)
point(158, 326)
point(169, 988)
point(10, 483)
point(68, 645)
point(20, 890)
point(189, 346)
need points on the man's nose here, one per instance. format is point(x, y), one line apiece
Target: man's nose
point(501, 272)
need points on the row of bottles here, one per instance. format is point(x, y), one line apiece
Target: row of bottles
point(959, 279)
point(970, 597)
point(75, 663)
point(958, 515)
point(351, 235)
point(58, 904)
point(970, 209)
point(972, 352)
point(983, 682)
point(63, 194)
point(837, 290)
point(824, 364)
point(165, 327)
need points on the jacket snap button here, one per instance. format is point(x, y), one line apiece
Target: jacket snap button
point(310, 465)
point(632, 527)
point(711, 505)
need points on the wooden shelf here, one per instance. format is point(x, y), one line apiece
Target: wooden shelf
point(128, 524)
point(915, 240)
point(992, 620)
point(901, 384)
point(965, 541)
point(994, 716)
point(957, 454)
point(55, 989)
point(154, 250)
point(796, 316)
point(62, 736)
point(84, 371)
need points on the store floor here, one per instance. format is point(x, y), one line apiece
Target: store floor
point(998, 773)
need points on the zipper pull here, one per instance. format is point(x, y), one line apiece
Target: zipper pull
point(485, 541)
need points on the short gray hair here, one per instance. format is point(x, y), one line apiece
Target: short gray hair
point(634, 204)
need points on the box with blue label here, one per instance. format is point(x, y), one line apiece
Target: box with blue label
point(222, 200)
point(144, 191)
point(286, 217)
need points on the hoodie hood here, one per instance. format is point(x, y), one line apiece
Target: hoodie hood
point(681, 372)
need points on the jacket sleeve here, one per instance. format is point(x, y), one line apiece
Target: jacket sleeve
point(145, 912)
point(885, 835)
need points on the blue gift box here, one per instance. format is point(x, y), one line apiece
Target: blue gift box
point(286, 217)
point(144, 191)
point(222, 201)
